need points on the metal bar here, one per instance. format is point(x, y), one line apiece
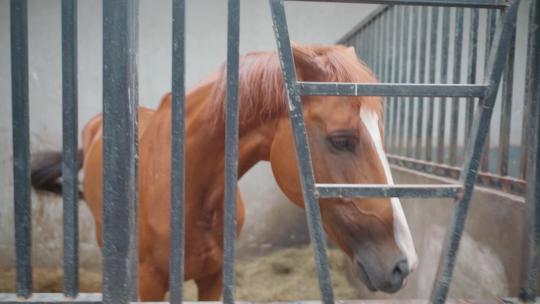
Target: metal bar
point(390, 89)
point(383, 190)
point(396, 54)
point(388, 74)
point(506, 108)
point(441, 129)
point(490, 28)
point(403, 77)
point(421, 78)
point(21, 147)
point(178, 182)
point(302, 150)
point(527, 102)
point(231, 150)
point(432, 69)
point(498, 4)
point(412, 78)
point(530, 284)
point(503, 183)
point(454, 120)
point(471, 71)
point(70, 162)
point(120, 151)
point(497, 57)
point(384, 49)
point(82, 298)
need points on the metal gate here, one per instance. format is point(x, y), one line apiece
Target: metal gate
point(120, 149)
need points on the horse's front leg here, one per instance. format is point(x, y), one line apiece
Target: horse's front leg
point(209, 287)
point(153, 284)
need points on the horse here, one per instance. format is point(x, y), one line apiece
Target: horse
point(345, 138)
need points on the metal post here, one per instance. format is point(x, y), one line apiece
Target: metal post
point(421, 79)
point(471, 71)
point(454, 120)
point(231, 150)
point(176, 259)
point(403, 78)
point(70, 161)
point(119, 150)
point(21, 147)
point(529, 288)
point(497, 57)
point(444, 79)
point(432, 69)
point(302, 149)
point(412, 79)
point(490, 30)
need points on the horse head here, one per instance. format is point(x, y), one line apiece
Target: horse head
point(345, 138)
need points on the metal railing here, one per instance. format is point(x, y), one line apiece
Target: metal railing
point(120, 149)
point(427, 45)
point(395, 74)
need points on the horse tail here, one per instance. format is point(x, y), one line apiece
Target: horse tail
point(47, 171)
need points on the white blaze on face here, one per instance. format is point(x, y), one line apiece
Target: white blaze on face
point(402, 234)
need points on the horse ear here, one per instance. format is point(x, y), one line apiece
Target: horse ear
point(351, 51)
point(308, 67)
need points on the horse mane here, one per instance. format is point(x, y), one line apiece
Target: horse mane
point(261, 92)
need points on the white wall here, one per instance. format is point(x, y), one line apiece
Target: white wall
point(205, 52)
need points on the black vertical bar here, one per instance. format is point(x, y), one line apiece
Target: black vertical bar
point(422, 79)
point(454, 120)
point(495, 67)
point(444, 79)
point(176, 262)
point(506, 109)
point(471, 71)
point(412, 79)
point(531, 266)
point(70, 168)
point(119, 149)
point(490, 30)
point(231, 149)
point(303, 155)
point(21, 146)
point(432, 69)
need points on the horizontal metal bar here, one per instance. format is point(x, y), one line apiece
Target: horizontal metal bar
point(503, 183)
point(499, 4)
point(51, 298)
point(382, 190)
point(390, 89)
point(95, 298)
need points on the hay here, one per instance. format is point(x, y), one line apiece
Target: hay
point(282, 275)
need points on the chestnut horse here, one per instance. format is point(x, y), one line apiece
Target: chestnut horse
point(345, 139)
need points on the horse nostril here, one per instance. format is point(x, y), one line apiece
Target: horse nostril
point(400, 272)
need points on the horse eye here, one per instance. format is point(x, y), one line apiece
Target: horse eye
point(342, 143)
